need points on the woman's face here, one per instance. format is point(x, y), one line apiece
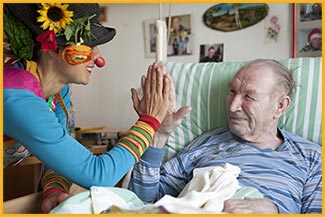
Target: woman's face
point(79, 73)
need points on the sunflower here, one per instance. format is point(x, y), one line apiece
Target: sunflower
point(54, 16)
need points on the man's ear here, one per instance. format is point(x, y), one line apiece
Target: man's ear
point(283, 105)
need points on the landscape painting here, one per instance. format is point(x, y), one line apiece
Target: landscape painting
point(232, 17)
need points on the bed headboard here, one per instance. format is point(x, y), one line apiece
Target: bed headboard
point(204, 86)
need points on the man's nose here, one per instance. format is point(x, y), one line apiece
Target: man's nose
point(235, 103)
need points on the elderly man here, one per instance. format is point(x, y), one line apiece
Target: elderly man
point(285, 168)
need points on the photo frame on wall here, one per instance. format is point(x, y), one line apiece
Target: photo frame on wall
point(103, 13)
point(149, 38)
point(307, 30)
point(180, 38)
point(211, 53)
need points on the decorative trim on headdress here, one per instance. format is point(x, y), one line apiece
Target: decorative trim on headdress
point(57, 19)
point(54, 16)
point(21, 41)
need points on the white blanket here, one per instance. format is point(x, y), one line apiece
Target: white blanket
point(205, 193)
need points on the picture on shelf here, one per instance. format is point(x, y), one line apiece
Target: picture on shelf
point(211, 53)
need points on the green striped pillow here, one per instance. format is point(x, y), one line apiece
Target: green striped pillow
point(204, 86)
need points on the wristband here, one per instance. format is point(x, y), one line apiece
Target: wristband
point(51, 190)
point(152, 121)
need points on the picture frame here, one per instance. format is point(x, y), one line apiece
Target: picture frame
point(307, 28)
point(149, 38)
point(103, 13)
point(232, 17)
point(181, 37)
point(211, 52)
point(179, 43)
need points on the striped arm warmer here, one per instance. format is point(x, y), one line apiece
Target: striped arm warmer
point(136, 142)
point(53, 182)
point(140, 136)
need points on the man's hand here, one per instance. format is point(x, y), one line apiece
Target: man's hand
point(250, 206)
point(173, 118)
point(52, 200)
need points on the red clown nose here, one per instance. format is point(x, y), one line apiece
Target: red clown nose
point(100, 62)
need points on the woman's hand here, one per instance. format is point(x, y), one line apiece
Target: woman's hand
point(173, 118)
point(52, 200)
point(155, 100)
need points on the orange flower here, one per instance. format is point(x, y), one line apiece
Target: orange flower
point(76, 54)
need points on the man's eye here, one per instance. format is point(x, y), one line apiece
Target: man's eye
point(250, 97)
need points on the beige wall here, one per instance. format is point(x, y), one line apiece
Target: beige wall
point(106, 99)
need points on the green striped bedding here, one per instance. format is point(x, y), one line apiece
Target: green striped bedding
point(204, 86)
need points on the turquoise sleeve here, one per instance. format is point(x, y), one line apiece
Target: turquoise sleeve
point(59, 111)
point(28, 119)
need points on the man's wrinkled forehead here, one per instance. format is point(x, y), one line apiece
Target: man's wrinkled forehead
point(254, 75)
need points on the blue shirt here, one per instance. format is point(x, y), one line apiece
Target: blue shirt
point(290, 176)
point(28, 120)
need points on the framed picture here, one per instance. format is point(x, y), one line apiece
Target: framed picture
point(211, 53)
point(149, 38)
point(180, 40)
point(103, 13)
point(307, 30)
point(232, 17)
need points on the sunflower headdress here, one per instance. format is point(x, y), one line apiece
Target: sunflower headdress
point(58, 20)
point(77, 27)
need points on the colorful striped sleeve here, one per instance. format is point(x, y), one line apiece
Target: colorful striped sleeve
point(136, 142)
point(53, 182)
point(140, 136)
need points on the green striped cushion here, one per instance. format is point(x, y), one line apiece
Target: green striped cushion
point(204, 86)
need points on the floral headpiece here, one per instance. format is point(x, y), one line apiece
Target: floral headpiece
point(77, 27)
point(58, 20)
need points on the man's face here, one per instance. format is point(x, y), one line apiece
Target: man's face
point(211, 53)
point(250, 103)
point(316, 43)
point(176, 23)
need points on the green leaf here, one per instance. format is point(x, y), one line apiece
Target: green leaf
point(68, 32)
point(20, 37)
